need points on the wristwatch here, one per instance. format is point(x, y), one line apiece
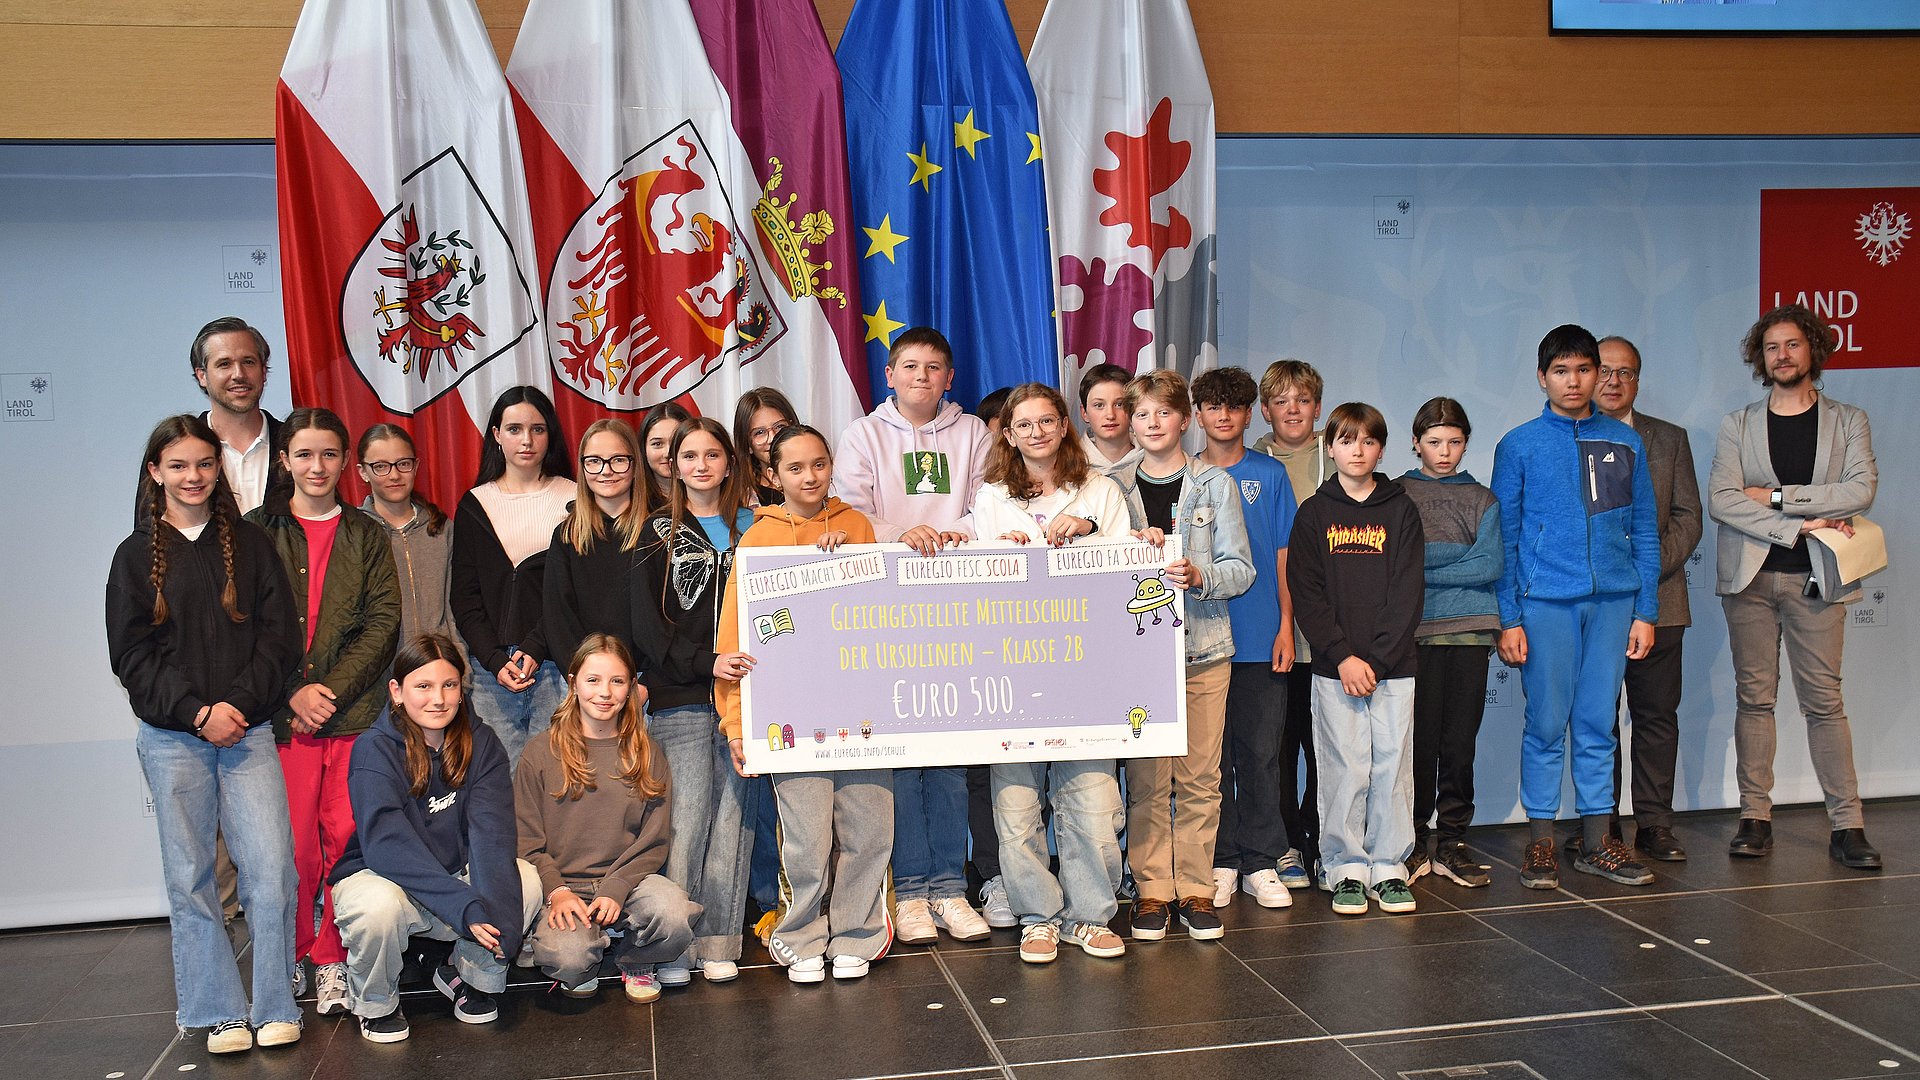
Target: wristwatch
point(1774, 499)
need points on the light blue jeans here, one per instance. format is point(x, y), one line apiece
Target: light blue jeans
point(516, 718)
point(198, 789)
point(377, 917)
point(1087, 816)
point(1365, 750)
point(713, 810)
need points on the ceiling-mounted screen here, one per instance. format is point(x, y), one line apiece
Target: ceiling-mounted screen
point(1736, 16)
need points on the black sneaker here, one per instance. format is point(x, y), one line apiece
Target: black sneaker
point(1455, 863)
point(1418, 864)
point(470, 1006)
point(1614, 862)
point(1149, 920)
point(1196, 914)
point(391, 1028)
point(1540, 869)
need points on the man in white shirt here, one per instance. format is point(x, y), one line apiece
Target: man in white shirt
point(229, 361)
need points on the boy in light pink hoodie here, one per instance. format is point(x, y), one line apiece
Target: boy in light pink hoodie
point(912, 466)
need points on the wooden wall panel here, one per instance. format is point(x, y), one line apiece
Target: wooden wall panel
point(205, 69)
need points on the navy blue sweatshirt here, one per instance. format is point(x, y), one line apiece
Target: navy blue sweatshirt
point(422, 844)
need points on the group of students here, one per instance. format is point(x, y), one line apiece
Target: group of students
point(313, 680)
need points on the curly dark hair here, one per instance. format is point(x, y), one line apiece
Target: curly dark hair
point(1818, 334)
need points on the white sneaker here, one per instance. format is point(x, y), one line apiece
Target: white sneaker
point(1266, 889)
point(330, 985)
point(1224, 883)
point(674, 974)
point(719, 970)
point(277, 1033)
point(809, 969)
point(957, 917)
point(849, 967)
point(913, 923)
point(993, 898)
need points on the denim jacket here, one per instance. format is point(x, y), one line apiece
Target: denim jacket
point(1213, 536)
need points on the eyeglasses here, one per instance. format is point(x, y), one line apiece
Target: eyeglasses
point(1624, 374)
point(616, 464)
point(382, 468)
point(1026, 428)
point(767, 432)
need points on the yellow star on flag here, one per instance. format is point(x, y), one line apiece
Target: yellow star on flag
point(880, 328)
point(1033, 155)
point(883, 239)
point(966, 136)
point(923, 169)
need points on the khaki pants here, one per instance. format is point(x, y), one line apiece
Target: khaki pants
point(1173, 804)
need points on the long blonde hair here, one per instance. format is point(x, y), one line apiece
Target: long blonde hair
point(583, 527)
point(568, 735)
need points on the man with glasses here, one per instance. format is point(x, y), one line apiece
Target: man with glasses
point(1653, 681)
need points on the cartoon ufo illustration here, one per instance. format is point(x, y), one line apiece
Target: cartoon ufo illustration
point(1149, 596)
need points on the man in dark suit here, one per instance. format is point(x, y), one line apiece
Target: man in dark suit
point(1653, 683)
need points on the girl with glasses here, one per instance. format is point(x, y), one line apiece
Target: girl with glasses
point(590, 562)
point(421, 534)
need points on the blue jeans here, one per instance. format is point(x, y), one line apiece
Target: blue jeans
point(929, 833)
point(1087, 815)
point(764, 879)
point(377, 917)
point(1576, 661)
point(199, 788)
point(517, 718)
point(1365, 749)
point(713, 810)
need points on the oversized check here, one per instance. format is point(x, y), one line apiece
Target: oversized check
point(877, 657)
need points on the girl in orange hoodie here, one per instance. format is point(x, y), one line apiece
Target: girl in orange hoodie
point(845, 817)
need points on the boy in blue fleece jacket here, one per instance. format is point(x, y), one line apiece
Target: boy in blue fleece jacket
point(1578, 597)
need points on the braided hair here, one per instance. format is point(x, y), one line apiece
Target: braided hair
point(225, 512)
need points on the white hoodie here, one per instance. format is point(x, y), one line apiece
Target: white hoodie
point(901, 476)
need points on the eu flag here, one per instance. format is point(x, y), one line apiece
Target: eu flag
point(948, 196)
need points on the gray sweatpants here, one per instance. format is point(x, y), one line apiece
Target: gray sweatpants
point(836, 839)
point(658, 919)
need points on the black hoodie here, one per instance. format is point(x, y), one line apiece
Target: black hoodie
point(199, 656)
point(676, 608)
point(1356, 573)
point(586, 592)
point(422, 844)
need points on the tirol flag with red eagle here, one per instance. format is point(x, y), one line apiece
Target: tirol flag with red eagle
point(410, 295)
point(1126, 124)
point(669, 272)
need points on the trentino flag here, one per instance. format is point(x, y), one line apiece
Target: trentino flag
point(773, 58)
point(1127, 121)
point(948, 191)
point(667, 270)
point(403, 226)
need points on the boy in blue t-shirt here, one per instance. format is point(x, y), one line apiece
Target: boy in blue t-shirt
point(1578, 595)
point(1253, 835)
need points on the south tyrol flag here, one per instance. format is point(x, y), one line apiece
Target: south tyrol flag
point(403, 226)
point(669, 271)
point(948, 191)
point(1126, 117)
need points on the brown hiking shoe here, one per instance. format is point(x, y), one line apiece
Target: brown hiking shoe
point(1541, 868)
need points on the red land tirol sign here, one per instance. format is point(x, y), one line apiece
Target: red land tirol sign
point(1852, 256)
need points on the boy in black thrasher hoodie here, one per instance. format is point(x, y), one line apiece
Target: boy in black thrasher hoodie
point(1355, 569)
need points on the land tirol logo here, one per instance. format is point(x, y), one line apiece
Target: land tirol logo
point(1838, 251)
point(659, 279)
point(436, 292)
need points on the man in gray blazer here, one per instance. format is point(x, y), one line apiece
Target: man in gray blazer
point(1653, 682)
point(1784, 466)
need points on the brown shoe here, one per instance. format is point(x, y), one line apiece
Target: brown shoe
point(1541, 868)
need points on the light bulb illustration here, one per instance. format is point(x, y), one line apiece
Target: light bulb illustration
point(1136, 717)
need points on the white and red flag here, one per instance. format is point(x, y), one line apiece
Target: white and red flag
point(404, 232)
point(668, 271)
point(1126, 129)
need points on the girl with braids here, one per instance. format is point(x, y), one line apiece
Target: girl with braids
point(421, 534)
point(591, 799)
point(657, 429)
point(432, 849)
point(759, 416)
point(676, 607)
point(502, 530)
point(340, 566)
point(590, 561)
point(201, 631)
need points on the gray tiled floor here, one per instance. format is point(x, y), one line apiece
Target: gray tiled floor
point(1790, 967)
